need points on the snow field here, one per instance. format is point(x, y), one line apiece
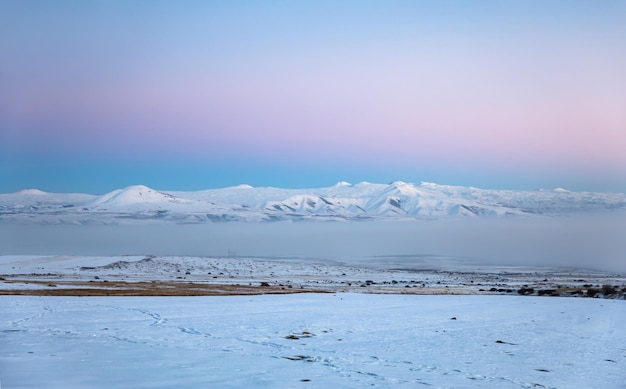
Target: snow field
point(343, 340)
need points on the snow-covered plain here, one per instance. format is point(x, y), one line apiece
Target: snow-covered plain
point(342, 340)
point(399, 330)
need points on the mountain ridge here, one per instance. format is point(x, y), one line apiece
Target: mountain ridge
point(342, 201)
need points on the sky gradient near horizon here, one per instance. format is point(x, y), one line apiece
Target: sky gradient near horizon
point(190, 95)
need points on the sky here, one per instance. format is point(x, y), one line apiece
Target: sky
point(191, 95)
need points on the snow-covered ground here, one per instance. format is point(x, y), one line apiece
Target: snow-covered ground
point(400, 329)
point(342, 340)
point(205, 276)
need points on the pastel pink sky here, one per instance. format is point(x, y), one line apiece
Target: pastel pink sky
point(510, 89)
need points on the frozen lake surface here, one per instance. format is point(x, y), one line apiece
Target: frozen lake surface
point(342, 340)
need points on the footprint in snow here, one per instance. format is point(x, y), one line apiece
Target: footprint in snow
point(191, 331)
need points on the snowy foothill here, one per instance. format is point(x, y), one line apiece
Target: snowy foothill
point(342, 340)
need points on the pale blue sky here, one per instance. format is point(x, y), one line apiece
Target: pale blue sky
point(96, 95)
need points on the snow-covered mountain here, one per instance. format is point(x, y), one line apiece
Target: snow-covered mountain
point(343, 201)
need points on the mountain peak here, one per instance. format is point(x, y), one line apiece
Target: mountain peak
point(399, 184)
point(404, 188)
point(31, 191)
point(343, 183)
point(134, 194)
point(137, 188)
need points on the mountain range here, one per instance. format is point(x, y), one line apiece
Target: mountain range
point(343, 201)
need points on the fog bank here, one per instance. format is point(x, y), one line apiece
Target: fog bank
point(594, 242)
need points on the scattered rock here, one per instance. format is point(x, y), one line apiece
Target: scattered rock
point(503, 342)
point(303, 334)
point(608, 290)
point(301, 358)
point(548, 292)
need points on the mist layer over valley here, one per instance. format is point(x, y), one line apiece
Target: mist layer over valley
point(584, 241)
